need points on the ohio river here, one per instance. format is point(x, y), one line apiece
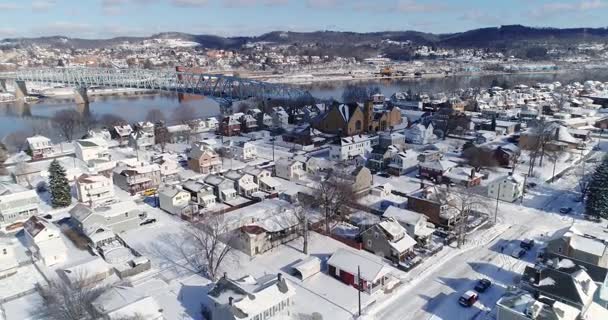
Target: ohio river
point(19, 116)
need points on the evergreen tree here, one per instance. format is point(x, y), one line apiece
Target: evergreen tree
point(59, 186)
point(597, 199)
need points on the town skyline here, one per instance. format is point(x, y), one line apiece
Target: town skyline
point(112, 18)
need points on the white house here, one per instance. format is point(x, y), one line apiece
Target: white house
point(175, 200)
point(419, 134)
point(40, 147)
point(416, 224)
point(289, 169)
point(8, 259)
point(510, 187)
point(212, 123)
point(119, 217)
point(16, 204)
point(122, 132)
point(91, 149)
point(248, 298)
point(141, 140)
point(244, 150)
point(94, 189)
point(350, 147)
point(44, 241)
point(280, 118)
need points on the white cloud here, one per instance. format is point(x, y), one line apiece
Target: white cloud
point(564, 7)
point(43, 5)
point(9, 6)
point(248, 3)
point(411, 6)
point(190, 3)
point(323, 4)
point(482, 17)
point(76, 29)
point(7, 32)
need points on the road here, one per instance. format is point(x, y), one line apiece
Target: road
point(435, 295)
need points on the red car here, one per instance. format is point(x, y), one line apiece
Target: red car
point(468, 299)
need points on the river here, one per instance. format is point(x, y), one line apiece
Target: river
point(20, 116)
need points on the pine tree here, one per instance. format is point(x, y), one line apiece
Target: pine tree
point(59, 186)
point(597, 199)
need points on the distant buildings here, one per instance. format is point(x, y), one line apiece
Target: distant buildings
point(352, 119)
point(39, 147)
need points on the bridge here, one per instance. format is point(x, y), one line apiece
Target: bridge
point(224, 89)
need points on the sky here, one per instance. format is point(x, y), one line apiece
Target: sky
point(110, 18)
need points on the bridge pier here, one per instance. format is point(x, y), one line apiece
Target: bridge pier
point(81, 96)
point(20, 90)
point(3, 85)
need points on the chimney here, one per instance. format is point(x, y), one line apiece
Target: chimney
point(225, 275)
point(230, 299)
point(472, 173)
point(279, 277)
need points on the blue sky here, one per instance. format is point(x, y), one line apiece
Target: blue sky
point(109, 18)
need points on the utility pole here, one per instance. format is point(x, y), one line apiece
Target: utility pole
point(497, 200)
point(523, 193)
point(359, 286)
point(554, 164)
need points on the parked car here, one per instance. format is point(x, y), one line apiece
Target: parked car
point(483, 285)
point(48, 216)
point(565, 210)
point(468, 298)
point(518, 253)
point(527, 244)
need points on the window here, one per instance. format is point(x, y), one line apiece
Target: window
point(358, 125)
point(369, 242)
point(4, 251)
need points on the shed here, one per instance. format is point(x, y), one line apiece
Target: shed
point(307, 268)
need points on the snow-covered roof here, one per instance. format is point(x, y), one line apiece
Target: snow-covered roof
point(32, 141)
point(308, 267)
point(372, 267)
point(124, 301)
point(402, 215)
point(588, 245)
point(270, 182)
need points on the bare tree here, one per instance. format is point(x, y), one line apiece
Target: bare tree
point(183, 114)
point(112, 120)
point(161, 136)
point(62, 301)
point(536, 145)
point(3, 158)
point(155, 115)
point(333, 196)
point(461, 204)
point(67, 122)
point(22, 168)
point(302, 212)
point(207, 246)
point(16, 141)
point(242, 107)
point(479, 157)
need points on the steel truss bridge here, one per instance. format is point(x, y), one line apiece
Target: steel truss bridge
point(224, 89)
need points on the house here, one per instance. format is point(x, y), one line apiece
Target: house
point(16, 204)
point(464, 176)
point(360, 180)
point(507, 155)
point(94, 189)
point(212, 123)
point(118, 217)
point(579, 243)
point(521, 305)
point(416, 224)
point(268, 297)
point(347, 148)
point(430, 155)
point(200, 193)
point(401, 163)
point(280, 118)
point(223, 188)
point(169, 167)
point(93, 149)
point(230, 126)
point(507, 188)
point(122, 133)
point(145, 126)
point(244, 150)
point(9, 265)
point(436, 169)
point(44, 241)
point(142, 140)
point(302, 135)
point(420, 134)
point(198, 126)
point(263, 226)
point(39, 147)
point(431, 201)
point(391, 139)
point(263, 178)
point(137, 178)
point(176, 201)
point(243, 182)
point(289, 169)
point(204, 159)
point(125, 302)
point(265, 120)
point(249, 123)
point(86, 272)
point(572, 287)
point(345, 264)
point(388, 239)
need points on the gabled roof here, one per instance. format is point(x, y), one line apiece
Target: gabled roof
point(372, 267)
